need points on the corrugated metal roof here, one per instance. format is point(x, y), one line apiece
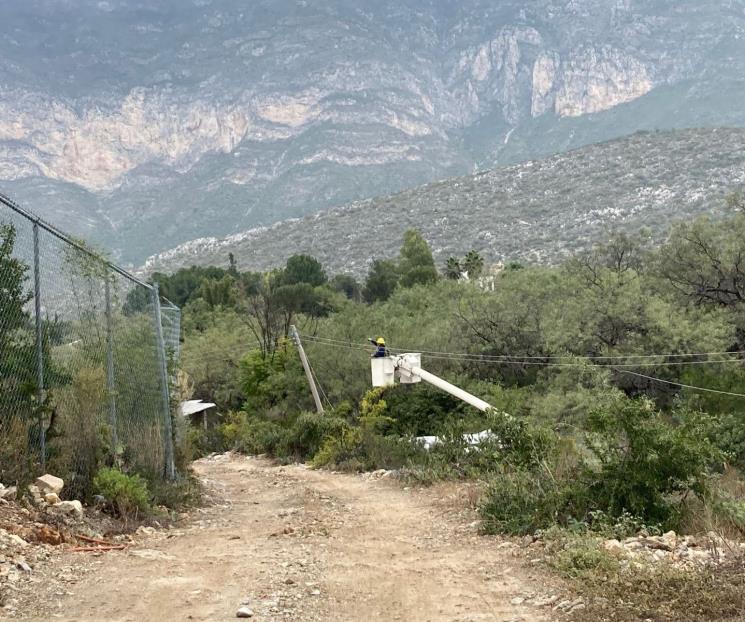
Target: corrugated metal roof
point(192, 407)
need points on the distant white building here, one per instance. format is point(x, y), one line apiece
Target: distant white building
point(488, 280)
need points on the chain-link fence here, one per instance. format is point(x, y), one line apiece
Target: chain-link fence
point(85, 350)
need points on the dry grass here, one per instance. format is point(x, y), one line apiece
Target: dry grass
point(666, 594)
point(649, 592)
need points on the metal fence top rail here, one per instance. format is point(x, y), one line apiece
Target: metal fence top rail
point(8, 202)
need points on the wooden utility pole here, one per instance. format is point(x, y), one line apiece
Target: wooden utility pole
point(306, 366)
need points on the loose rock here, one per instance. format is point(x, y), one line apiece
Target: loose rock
point(23, 566)
point(51, 498)
point(69, 508)
point(145, 531)
point(50, 483)
point(244, 612)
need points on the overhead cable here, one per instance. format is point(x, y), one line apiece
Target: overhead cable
point(548, 357)
point(680, 384)
point(547, 361)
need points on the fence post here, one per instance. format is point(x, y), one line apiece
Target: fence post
point(170, 467)
point(39, 348)
point(110, 370)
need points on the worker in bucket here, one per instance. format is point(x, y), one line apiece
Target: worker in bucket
point(380, 350)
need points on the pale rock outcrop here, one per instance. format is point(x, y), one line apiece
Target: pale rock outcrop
point(597, 80)
point(587, 81)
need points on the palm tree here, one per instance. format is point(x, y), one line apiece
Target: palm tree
point(452, 269)
point(473, 264)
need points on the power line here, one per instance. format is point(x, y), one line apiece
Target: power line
point(615, 367)
point(508, 358)
point(680, 384)
point(547, 361)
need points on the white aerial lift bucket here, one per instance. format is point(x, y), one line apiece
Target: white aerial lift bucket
point(383, 372)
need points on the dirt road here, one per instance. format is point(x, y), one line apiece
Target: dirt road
point(302, 545)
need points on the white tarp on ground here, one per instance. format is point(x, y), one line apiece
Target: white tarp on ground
point(192, 407)
point(474, 440)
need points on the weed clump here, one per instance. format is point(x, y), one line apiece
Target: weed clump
point(127, 496)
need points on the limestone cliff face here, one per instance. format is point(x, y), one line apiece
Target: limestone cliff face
point(587, 81)
point(96, 148)
point(242, 114)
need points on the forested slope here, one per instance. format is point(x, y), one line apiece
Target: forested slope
point(540, 211)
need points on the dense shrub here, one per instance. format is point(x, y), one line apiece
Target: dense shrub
point(275, 385)
point(360, 449)
point(253, 435)
point(198, 442)
point(369, 445)
point(519, 502)
point(644, 463)
point(640, 465)
point(307, 435)
point(126, 495)
point(421, 410)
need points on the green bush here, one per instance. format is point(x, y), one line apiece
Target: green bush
point(300, 440)
point(126, 495)
point(251, 435)
point(275, 385)
point(520, 502)
point(640, 468)
point(184, 492)
point(645, 464)
point(619, 527)
point(198, 442)
point(579, 556)
point(344, 449)
point(308, 434)
point(521, 443)
point(370, 445)
point(421, 410)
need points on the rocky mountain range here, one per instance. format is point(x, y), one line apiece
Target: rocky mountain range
point(143, 125)
point(540, 211)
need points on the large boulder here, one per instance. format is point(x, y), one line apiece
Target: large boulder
point(50, 483)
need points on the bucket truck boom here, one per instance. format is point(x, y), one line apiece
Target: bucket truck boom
point(408, 368)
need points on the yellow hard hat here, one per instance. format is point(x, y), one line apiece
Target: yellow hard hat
point(381, 341)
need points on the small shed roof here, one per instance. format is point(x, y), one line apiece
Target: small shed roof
point(192, 407)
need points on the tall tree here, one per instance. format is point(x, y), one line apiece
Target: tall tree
point(346, 284)
point(381, 281)
point(416, 265)
point(219, 293)
point(16, 340)
point(232, 265)
point(304, 269)
point(17, 361)
point(705, 261)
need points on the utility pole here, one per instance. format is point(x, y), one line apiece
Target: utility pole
point(306, 366)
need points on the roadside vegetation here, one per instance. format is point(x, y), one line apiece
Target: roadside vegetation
point(72, 415)
point(595, 433)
